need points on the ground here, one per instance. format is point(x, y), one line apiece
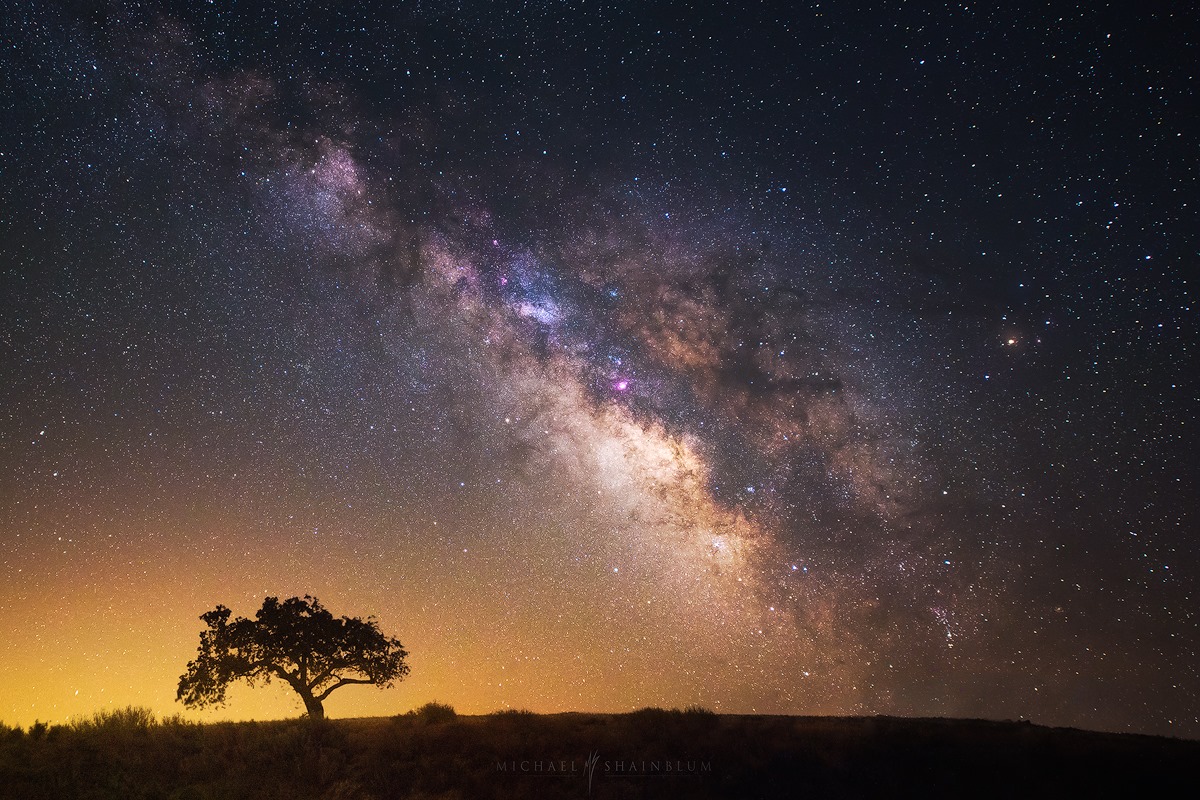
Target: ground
point(650, 753)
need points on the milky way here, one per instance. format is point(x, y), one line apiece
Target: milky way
point(843, 373)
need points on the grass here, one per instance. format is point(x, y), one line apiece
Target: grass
point(433, 752)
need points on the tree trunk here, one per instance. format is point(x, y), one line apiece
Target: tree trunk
point(315, 709)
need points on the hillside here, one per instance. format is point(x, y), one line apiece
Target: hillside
point(650, 753)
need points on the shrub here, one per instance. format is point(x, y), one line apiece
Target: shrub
point(178, 721)
point(654, 713)
point(435, 712)
point(512, 712)
point(130, 718)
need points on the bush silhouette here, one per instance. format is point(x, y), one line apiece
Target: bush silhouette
point(130, 718)
point(434, 712)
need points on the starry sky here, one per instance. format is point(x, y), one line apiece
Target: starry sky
point(782, 358)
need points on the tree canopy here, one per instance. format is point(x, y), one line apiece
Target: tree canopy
point(297, 641)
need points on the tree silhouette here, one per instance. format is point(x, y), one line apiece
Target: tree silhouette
point(297, 641)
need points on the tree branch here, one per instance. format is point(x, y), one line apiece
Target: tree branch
point(278, 670)
point(325, 673)
point(342, 682)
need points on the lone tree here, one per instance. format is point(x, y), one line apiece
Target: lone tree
point(297, 641)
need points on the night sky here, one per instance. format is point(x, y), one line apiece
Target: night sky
point(794, 358)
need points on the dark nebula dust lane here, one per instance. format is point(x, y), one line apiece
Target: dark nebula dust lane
point(782, 360)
